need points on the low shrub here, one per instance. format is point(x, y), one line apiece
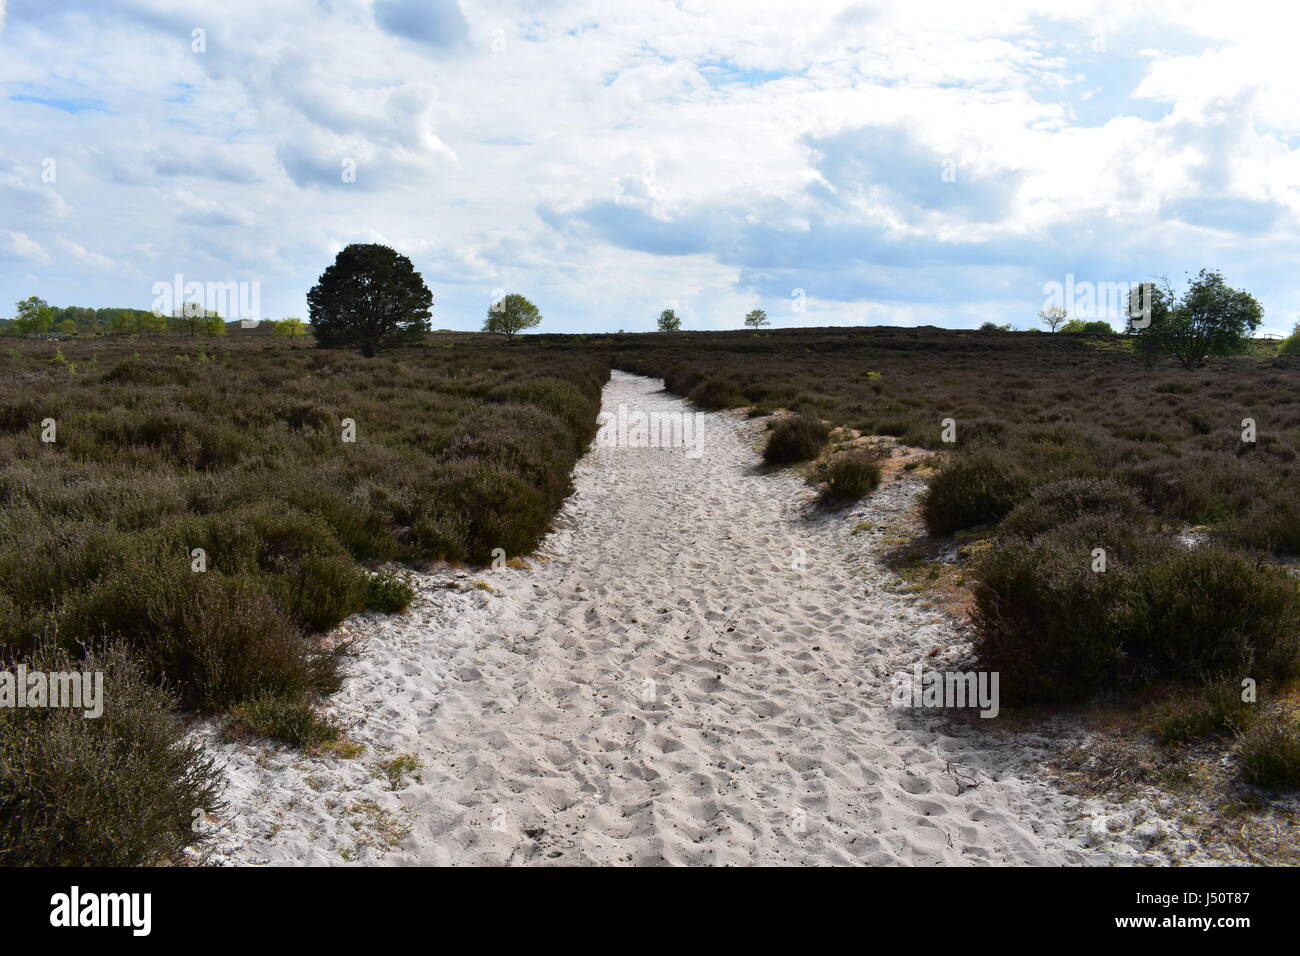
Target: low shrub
point(1269, 524)
point(290, 720)
point(1058, 630)
point(497, 508)
point(1291, 344)
point(231, 640)
point(795, 438)
point(850, 475)
point(1214, 710)
point(1205, 612)
point(117, 790)
point(1060, 502)
point(979, 487)
point(389, 592)
point(320, 592)
point(1045, 620)
point(716, 393)
point(1269, 753)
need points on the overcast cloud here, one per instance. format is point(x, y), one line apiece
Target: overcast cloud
point(901, 163)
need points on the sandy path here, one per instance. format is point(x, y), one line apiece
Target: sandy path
point(666, 688)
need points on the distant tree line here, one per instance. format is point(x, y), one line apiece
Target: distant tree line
point(34, 316)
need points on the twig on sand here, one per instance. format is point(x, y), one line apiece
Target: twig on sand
point(962, 778)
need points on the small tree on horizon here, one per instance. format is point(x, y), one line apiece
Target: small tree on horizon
point(370, 298)
point(512, 315)
point(756, 319)
point(669, 322)
point(1052, 317)
point(1210, 319)
point(34, 316)
point(1095, 327)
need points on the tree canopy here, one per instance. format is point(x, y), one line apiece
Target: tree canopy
point(370, 298)
point(756, 319)
point(1210, 319)
point(511, 315)
point(34, 316)
point(669, 322)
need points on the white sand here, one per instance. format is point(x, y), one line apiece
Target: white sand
point(765, 737)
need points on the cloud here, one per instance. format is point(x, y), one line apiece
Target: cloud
point(435, 23)
point(85, 256)
point(18, 247)
point(25, 195)
point(890, 164)
point(898, 163)
point(208, 163)
point(199, 211)
point(1247, 217)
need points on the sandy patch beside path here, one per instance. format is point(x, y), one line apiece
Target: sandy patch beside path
point(669, 687)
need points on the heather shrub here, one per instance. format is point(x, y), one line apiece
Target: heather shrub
point(565, 400)
point(1269, 752)
point(1045, 620)
point(795, 438)
point(1268, 524)
point(364, 530)
point(117, 790)
point(715, 393)
point(389, 592)
point(978, 487)
point(1201, 487)
point(286, 718)
point(1066, 500)
point(850, 475)
point(1203, 611)
point(231, 640)
point(1059, 630)
point(499, 510)
point(520, 441)
point(321, 591)
point(1214, 710)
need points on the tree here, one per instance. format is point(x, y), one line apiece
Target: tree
point(994, 327)
point(756, 319)
point(1210, 319)
point(512, 314)
point(66, 327)
point(214, 325)
point(1291, 344)
point(1052, 317)
point(34, 316)
point(370, 298)
point(1095, 327)
point(192, 317)
point(669, 322)
point(290, 328)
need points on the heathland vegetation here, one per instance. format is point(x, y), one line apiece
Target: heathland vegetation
point(190, 516)
point(189, 520)
point(1137, 514)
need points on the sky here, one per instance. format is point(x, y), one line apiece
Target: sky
point(911, 163)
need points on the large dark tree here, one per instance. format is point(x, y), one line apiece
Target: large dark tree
point(370, 298)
